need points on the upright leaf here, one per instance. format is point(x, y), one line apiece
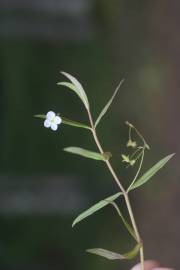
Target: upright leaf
point(143, 179)
point(87, 153)
point(76, 87)
point(95, 208)
point(110, 255)
point(104, 110)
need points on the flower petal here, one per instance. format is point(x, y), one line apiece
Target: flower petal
point(50, 115)
point(57, 120)
point(54, 126)
point(47, 123)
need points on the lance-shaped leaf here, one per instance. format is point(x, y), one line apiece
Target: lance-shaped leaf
point(41, 116)
point(132, 253)
point(128, 227)
point(104, 110)
point(110, 255)
point(69, 122)
point(88, 154)
point(76, 87)
point(145, 177)
point(96, 207)
point(66, 121)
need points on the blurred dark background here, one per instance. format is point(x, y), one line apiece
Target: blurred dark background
point(42, 188)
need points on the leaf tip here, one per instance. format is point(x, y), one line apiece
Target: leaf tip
point(62, 72)
point(122, 81)
point(171, 155)
point(73, 224)
point(75, 221)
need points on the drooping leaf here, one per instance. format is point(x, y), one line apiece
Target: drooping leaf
point(145, 177)
point(87, 153)
point(113, 255)
point(110, 255)
point(66, 121)
point(128, 227)
point(76, 87)
point(104, 110)
point(133, 253)
point(95, 208)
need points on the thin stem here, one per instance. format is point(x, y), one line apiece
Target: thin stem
point(139, 134)
point(142, 257)
point(125, 194)
point(135, 229)
point(137, 150)
point(138, 171)
point(101, 151)
point(138, 156)
point(129, 133)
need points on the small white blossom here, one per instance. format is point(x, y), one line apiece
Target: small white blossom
point(52, 120)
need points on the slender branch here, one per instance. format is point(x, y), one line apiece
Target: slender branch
point(138, 171)
point(138, 133)
point(125, 194)
point(101, 151)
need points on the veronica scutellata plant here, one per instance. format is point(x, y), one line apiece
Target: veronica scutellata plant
point(134, 157)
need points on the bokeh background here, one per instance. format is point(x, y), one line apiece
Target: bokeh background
point(42, 188)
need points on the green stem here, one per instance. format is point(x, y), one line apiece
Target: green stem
point(125, 194)
point(139, 134)
point(136, 176)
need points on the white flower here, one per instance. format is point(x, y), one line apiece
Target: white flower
point(52, 121)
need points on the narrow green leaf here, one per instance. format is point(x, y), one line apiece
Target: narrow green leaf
point(133, 253)
point(86, 153)
point(69, 122)
point(66, 121)
point(113, 255)
point(104, 110)
point(110, 255)
point(42, 116)
point(128, 227)
point(68, 85)
point(95, 208)
point(76, 87)
point(145, 177)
